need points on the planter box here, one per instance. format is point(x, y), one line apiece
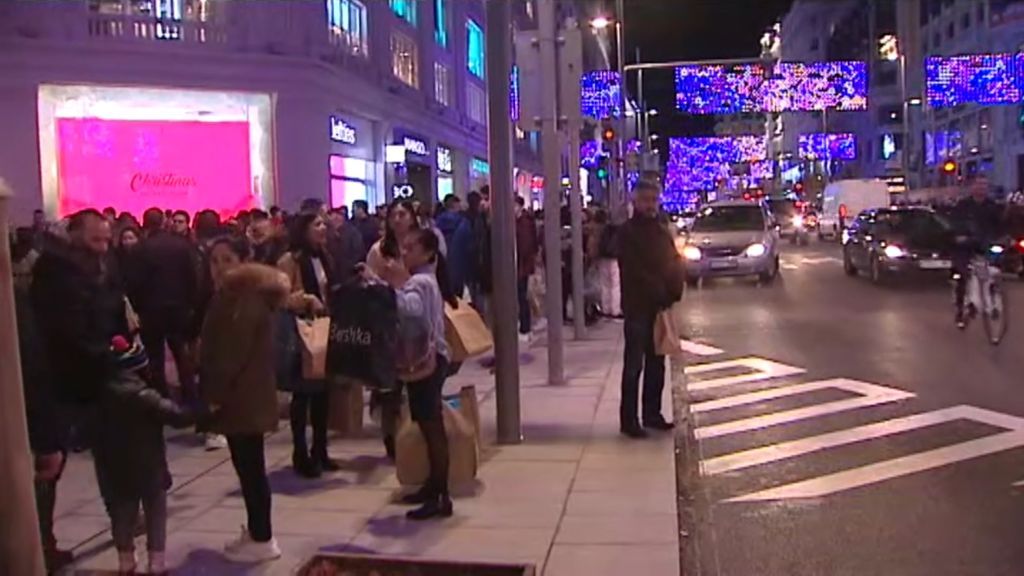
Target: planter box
point(358, 565)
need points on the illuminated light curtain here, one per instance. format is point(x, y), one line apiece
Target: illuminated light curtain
point(700, 164)
point(834, 146)
point(974, 79)
point(601, 94)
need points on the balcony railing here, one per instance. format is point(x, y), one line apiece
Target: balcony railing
point(147, 29)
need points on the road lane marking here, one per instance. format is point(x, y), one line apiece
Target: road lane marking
point(760, 370)
point(796, 448)
point(698, 349)
point(905, 465)
point(870, 395)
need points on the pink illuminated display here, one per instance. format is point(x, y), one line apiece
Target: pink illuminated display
point(133, 165)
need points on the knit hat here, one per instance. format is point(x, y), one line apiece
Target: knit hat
point(129, 356)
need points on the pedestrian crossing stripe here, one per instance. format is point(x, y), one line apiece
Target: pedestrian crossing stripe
point(760, 369)
point(896, 467)
point(698, 349)
point(868, 395)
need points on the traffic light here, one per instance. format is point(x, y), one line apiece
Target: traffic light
point(608, 134)
point(602, 168)
point(949, 167)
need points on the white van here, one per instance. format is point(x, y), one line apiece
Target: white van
point(845, 199)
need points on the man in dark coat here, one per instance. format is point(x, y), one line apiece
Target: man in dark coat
point(652, 281)
point(367, 224)
point(344, 244)
point(454, 225)
point(526, 254)
point(163, 286)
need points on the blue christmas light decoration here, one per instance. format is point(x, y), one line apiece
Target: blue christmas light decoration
point(792, 86)
point(513, 94)
point(974, 79)
point(601, 94)
point(590, 154)
point(821, 146)
point(703, 163)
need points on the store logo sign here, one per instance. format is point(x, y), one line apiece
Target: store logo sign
point(403, 191)
point(444, 160)
point(152, 183)
point(342, 131)
point(414, 146)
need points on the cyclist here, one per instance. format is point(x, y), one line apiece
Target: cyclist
point(977, 221)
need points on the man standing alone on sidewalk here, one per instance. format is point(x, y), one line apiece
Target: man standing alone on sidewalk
point(652, 281)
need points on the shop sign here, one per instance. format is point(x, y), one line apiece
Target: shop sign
point(444, 160)
point(403, 191)
point(479, 167)
point(342, 131)
point(415, 146)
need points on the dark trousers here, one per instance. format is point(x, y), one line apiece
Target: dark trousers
point(124, 514)
point(315, 406)
point(250, 465)
point(961, 270)
point(169, 329)
point(46, 503)
point(639, 358)
point(525, 321)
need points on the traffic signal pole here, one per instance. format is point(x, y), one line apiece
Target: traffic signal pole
point(503, 245)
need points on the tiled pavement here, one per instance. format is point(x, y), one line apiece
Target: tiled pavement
point(574, 498)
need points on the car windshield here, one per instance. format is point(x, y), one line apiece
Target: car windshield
point(729, 218)
point(915, 225)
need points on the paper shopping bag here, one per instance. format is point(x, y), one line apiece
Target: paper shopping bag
point(411, 461)
point(313, 336)
point(345, 415)
point(666, 335)
point(466, 332)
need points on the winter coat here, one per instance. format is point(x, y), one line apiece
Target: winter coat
point(44, 430)
point(129, 451)
point(79, 306)
point(164, 277)
point(345, 246)
point(527, 245)
point(369, 229)
point(458, 235)
point(236, 363)
point(650, 267)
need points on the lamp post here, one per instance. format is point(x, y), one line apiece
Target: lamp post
point(603, 23)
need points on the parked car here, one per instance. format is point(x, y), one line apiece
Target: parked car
point(732, 239)
point(889, 242)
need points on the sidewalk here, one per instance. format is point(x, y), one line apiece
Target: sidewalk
point(574, 498)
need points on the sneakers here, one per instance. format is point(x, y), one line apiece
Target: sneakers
point(245, 550)
point(215, 442)
point(525, 339)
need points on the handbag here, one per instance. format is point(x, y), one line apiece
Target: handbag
point(364, 333)
point(666, 335)
point(313, 337)
point(466, 332)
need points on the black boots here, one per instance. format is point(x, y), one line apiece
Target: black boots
point(438, 506)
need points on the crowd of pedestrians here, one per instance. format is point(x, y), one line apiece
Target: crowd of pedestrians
point(109, 296)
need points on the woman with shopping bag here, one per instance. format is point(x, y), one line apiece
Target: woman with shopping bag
point(312, 275)
point(422, 361)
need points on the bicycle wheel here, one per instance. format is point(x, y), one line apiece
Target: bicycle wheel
point(994, 312)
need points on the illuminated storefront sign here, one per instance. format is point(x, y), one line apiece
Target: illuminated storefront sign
point(342, 131)
point(415, 146)
point(444, 160)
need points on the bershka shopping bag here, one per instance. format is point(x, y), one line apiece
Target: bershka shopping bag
point(466, 332)
point(364, 335)
point(313, 336)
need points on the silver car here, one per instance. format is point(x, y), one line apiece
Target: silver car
point(732, 239)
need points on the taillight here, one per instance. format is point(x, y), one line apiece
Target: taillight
point(1020, 245)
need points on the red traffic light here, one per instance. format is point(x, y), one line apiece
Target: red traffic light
point(608, 134)
point(949, 167)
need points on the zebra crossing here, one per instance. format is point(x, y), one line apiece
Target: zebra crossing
point(719, 387)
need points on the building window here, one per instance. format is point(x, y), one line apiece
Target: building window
point(475, 48)
point(442, 84)
point(815, 44)
point(981, 12)
point(441, 22)
point(950, 30)
point(351, 180)
point(476, 103)
point(346, 20)
point(404, 59)
point(965, 20)
point(406, 10)
point(936, 40)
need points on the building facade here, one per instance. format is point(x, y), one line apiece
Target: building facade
point(230, 105)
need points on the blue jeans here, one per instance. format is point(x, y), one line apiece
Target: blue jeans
point(525, 321)
point(639, 358)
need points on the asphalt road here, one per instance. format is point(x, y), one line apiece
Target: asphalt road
point(849, 429)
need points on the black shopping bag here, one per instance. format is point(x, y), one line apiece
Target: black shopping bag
point(364, 335)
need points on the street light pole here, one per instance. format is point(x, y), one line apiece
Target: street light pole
point(503, 247)
point(620, 63)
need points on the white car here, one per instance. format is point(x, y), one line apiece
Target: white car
point(732, 239)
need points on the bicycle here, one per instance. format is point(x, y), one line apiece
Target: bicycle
point(985, 296)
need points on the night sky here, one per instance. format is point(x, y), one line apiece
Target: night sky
point(668, 30)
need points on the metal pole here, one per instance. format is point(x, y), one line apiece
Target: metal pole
point(552, 190)
point(21, 551)
point(677, 63)
point(904, 157)
point(503, 238)
point(576, 216)
point(620, 61)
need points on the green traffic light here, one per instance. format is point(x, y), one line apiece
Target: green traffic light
point(602, 173)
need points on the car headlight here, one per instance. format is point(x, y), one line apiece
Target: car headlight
point(996, 249)
point(892, 251)
point(846, 236)
point(692, 253)
point(798, 221)
point(756, 250)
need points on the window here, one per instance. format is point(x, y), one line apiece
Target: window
point(404, 59)
point(950, 30)
point(965, 20)
point(476, 103)
point(405, 9)
point(886, 77)
point(815, 44)
point(936, 40)
point(350, 180)
point(442, 84)
point(981, 12)
point(475, 48)
point(441, 22)
point(347, 22)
